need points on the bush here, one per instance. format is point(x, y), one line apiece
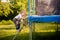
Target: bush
point(4, 22)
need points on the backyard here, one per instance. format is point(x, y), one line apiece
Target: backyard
point(43, 31)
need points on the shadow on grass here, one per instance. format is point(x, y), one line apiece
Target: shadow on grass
point(46, 36)
point(36, 36)
point(24, 36)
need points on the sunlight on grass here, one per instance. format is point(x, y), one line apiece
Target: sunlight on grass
point(45, 31)
point(4, 33)
point(25, 30)
point(8, 31)
point(9, 34)
point(7, 26)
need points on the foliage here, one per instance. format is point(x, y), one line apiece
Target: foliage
point(9, 10)
point(4, 22)
point(5, 9)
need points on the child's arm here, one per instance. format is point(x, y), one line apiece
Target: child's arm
point(25, 17)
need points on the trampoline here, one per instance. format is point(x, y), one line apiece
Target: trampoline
point(44, 18)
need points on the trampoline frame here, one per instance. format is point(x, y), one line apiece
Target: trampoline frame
point(32, 18)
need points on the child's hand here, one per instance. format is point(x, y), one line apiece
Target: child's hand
point(21, 20)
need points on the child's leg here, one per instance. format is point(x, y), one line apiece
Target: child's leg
point(17, 31)
point(17, 24)
point(17, 27)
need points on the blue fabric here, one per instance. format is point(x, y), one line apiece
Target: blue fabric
point(46, 18)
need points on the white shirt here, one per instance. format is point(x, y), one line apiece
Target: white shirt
point(19, 16)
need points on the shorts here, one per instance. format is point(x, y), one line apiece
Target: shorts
point(17, 25)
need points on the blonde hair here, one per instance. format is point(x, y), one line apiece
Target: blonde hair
point(22, 11)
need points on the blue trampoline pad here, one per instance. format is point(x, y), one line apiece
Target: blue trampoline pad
point(45, 18)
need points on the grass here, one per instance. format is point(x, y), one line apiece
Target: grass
point(43, 31)
point(9, 34)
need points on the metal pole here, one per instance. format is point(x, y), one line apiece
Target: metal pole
point(33, 7)
point(30, 38)
point(30, 26)
point(28, 7)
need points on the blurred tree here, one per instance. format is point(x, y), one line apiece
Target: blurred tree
point(5, 9)
point(9, 10)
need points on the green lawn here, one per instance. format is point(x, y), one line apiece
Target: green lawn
point(43, 31)
point(7, 32)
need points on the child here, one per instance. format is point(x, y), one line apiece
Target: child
point(16, 20)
